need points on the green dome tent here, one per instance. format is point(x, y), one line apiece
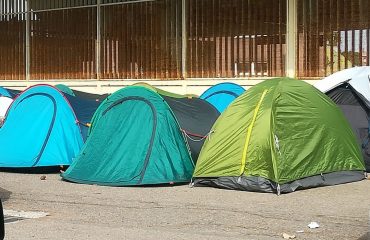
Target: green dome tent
point(134, 140)
point(280, 136)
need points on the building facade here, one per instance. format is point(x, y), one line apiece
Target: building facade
point(181, 39)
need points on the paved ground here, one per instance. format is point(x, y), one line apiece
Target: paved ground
point(179, 212)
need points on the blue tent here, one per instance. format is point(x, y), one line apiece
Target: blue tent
point(222, 94)
point(4, 92)
point(40, 129)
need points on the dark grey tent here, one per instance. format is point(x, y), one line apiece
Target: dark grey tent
point(358, 115)
point(196, 118)
point(350, 90)
point(84, 110)
point(91, 96)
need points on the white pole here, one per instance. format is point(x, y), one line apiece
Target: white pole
point(291, 40)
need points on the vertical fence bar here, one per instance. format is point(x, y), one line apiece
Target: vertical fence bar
point(98, 40)
point(184, 39)
point(28, 40)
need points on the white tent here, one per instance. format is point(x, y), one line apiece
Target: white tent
point(357, 78)
point(4, 105)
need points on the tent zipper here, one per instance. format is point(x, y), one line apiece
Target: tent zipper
point(249, 133)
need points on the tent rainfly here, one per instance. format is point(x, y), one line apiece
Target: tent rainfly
point(40, 130)
point(222, 94)
point(134, 139)
point(195, 116)
point(280, 136)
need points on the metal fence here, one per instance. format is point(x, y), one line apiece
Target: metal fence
point(176, 39)
point(236, 38)
point(332, 35)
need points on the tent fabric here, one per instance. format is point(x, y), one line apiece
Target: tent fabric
point(222, 94)
point(350, 90)
point(196, 117)
point(40, 130)
point(13, 92)
point(84, 110)
point(82, 95)
point(357, 114)
point(357, 78)
point(163, 92)
point(90, 96)
point(260, 184)
point(5, 102)
point(281, 131)
point(134, 140)
point(4, 92)
point(65, 89)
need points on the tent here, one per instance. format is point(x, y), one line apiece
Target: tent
point(91, 96)
point(196, 117)
point(83, 104)
point(280, 136)
point(163, 92)
point(134, 140)
point(84, 110)
point(40, 130)
point(4, 92)
point(350, 90)
point(7, 92)
point(65, 89)
point(82, 95)
point(222, 94)
point(4, 105)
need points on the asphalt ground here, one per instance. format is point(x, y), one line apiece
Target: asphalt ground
point(77, 211)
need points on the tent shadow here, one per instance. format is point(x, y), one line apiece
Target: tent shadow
point(162, 185)
point(35, 170)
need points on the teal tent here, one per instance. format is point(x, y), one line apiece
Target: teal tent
point(65, 89)
point(4, 92)
point(134, 139)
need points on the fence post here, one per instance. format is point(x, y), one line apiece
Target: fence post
point(98, 40)
point(28, 41)
point(291, 40)
point(184, 39)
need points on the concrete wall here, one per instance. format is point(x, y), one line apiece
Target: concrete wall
point(189, 86)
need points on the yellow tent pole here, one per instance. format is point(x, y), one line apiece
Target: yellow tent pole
point(249, 133)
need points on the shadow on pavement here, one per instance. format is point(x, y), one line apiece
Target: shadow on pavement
point(365, 237)
point(4, 194)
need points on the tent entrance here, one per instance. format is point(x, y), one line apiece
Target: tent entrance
point(48, 113)
point(140, 122)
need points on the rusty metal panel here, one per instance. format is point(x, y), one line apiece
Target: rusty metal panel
point(63, 44)
point(236, 38)
point(147, 43)
point(332, 35)
point(12, 47)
